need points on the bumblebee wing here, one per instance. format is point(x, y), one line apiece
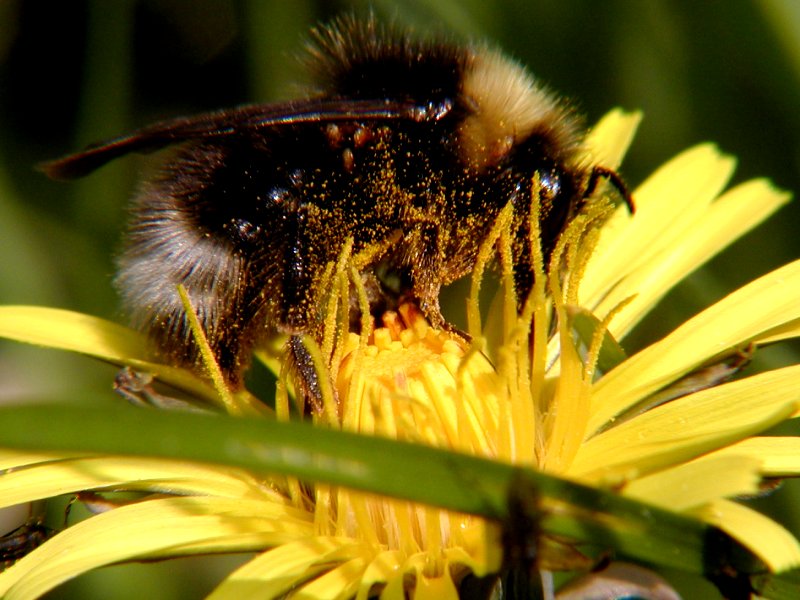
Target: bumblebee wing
point(229, 123)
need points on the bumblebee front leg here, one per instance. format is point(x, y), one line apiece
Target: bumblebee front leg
point(426, 272)
point(307, 377)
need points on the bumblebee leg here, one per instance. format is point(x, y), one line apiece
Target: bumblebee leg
point(137, 388)
point(304, 375)
point(426, 272)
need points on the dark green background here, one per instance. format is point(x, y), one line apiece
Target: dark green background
point(72, 72)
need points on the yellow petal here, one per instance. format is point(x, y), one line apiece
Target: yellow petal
point(395, 587)
point(778, 548)
point(337, 584)
point(609, 140)
point(478, 548)
point(661, 218)
point(275, 572)
point(76, 332)
point(698, 482)
point(11, 459)
point(689, 426)
point(735, 321)
point(779, 455)
point(92, 336)
point(383, 567)
point(778, 334)
point(152, 529)
point(432, 577)
point(34, 481)
point(724, 221)
point(435, 588)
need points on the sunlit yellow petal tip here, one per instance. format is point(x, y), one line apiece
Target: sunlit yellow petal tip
point(695, 483)
point(609, 140)
point(779, 456)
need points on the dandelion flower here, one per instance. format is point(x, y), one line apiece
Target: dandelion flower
point(548, 389)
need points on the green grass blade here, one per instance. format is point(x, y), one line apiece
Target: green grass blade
point(417, 473)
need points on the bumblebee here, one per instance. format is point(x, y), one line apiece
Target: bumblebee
point(408, 147)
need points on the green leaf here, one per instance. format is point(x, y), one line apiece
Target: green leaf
point(783, 586)
point(586, 325)
point(417, 473)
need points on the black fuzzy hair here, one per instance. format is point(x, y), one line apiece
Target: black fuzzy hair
point(363, 58)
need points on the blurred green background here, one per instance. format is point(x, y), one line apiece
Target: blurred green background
point(73, 72)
